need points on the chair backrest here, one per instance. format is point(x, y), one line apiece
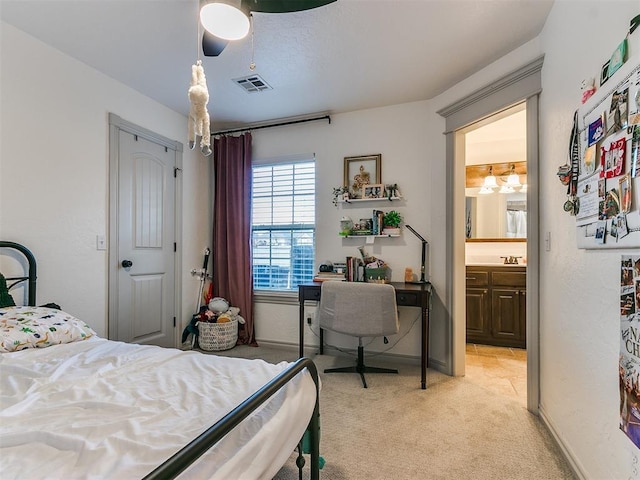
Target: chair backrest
point(358, 309)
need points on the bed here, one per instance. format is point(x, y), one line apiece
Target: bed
point(73, 405)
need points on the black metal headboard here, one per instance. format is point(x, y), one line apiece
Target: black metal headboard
point(31, 279)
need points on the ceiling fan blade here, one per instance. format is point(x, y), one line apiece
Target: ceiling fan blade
point(282, 6)
point(212, 46)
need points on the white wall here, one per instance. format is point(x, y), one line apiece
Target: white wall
point(54, 171)
point(579, 311)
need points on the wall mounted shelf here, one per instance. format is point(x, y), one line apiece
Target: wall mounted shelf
point(357, 200)
point(370, 236)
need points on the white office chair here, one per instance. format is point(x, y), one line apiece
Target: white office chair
point(360, 310)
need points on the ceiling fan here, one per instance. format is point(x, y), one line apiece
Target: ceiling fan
point(226, 20)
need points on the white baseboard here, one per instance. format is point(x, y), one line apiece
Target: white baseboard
point(566, 451)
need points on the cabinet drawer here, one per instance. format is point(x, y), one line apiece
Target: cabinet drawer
point(475, 278)
point(309, 293)
point(407, 300)
point(509, 279)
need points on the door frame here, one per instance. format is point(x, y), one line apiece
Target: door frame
point(117, 124)
point(521, 85)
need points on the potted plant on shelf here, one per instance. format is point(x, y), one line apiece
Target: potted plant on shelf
point(392, 221)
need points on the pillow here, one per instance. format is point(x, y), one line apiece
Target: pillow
point(37, 327)
point(6, 300)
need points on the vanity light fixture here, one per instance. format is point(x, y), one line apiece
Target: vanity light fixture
point(513, 181)
point(489, 182)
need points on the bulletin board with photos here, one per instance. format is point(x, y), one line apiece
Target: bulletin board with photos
point(608, 183)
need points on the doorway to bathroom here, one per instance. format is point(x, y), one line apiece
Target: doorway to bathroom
point(521, 86)
point(495, 158)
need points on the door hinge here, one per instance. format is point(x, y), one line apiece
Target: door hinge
point(135, 137)
point(175, 171)
point(175, 247)
point(174, 322)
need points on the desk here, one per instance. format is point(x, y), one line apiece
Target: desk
point(407, 295)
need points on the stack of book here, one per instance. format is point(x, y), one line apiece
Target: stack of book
point(355, 270)
point(325, 276)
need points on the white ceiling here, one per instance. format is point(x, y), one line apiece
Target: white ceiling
point(349, 55)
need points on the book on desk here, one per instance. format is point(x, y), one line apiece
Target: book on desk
point(329, 276)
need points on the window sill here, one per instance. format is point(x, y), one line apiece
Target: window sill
point(275, 297)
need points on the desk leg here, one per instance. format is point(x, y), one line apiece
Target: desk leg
point(301, 328)
point(425, 347)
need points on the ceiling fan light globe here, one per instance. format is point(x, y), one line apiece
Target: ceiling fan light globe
point(224, 21)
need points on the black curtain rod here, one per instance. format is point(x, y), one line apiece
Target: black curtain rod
point(282, 124)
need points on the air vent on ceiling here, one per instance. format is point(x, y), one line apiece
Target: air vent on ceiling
point(252, 83)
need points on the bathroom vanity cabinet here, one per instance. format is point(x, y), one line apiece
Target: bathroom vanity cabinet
point(496, 305)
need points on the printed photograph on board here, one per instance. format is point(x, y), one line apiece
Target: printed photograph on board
point(629, 360)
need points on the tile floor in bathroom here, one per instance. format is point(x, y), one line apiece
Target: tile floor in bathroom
point(501, 369)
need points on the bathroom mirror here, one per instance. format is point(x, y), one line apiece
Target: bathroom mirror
point(496, 216)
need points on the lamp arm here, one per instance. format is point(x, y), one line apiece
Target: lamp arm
point(424, 259)
point(424, 254)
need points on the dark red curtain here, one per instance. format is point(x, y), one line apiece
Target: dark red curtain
point(232, 277)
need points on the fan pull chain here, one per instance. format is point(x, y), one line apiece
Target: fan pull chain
point(198, 41)
point(252, 65)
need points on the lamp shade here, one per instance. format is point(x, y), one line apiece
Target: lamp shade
point(513, 180)
point(490, 180)
point(224, 20)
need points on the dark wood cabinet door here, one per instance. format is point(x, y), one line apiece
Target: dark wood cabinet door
point(478, 314)
point(506, 319)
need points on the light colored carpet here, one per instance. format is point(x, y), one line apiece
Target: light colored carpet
point(455, 429)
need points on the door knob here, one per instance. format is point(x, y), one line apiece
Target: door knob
point(127, 263)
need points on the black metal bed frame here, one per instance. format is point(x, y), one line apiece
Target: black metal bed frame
point(181, 460)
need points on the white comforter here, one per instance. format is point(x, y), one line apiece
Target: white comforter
point(108, 410)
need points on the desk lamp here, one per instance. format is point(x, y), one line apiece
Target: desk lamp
point(422, 280)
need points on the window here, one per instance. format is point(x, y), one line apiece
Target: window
point(283, 224)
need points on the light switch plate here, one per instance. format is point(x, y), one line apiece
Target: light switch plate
point(101, 242)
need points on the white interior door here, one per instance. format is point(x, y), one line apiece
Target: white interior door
point(142, 296)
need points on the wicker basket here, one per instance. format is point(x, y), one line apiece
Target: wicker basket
point(217, 336)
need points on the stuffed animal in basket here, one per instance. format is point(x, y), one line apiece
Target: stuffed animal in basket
point(219, 305)
point(231, 315)
point(224, 311)
point(198, 115)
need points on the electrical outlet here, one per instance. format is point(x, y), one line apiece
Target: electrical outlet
point(311, 316)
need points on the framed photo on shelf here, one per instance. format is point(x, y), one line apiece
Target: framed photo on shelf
point(362, 170)
point(373, 191)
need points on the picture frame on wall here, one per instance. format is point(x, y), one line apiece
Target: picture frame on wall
point(362, 170)
point(373, 191)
